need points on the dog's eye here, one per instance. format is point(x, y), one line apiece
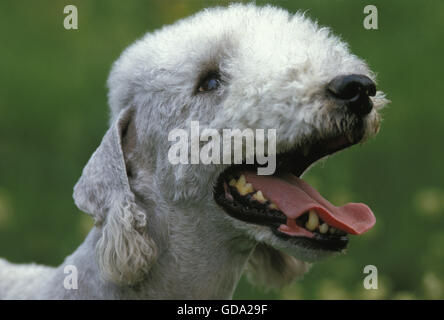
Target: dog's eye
point(209, 83)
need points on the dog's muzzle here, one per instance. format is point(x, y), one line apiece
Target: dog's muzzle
point(354, 90)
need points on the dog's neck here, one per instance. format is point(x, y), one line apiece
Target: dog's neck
point(199, 256)
point(195, 261)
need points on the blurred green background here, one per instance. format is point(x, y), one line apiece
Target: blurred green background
point(53, 113)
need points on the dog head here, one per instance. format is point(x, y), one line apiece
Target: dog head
point(246, 68)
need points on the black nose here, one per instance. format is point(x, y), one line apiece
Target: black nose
point(355, 90)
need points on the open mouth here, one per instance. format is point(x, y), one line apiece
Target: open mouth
point(293, 209)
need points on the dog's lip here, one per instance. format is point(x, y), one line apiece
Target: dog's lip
point(298, 163)
point(334, 244)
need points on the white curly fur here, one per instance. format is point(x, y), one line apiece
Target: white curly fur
point(158, 232)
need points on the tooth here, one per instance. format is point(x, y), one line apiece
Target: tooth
point(273, 206)
point(313, 221)
point(241, 181)
point(232, 182)
point(332, 230)
point(323, 228)
point(249, 188)
point(245, 189)
point(259, 197)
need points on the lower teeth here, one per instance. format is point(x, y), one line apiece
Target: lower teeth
point(323, 228)
point(311, 221)
point(259, 197)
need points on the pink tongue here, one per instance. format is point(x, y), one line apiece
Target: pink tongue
point(294, 196)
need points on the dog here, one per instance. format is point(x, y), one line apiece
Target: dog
point(189, 231)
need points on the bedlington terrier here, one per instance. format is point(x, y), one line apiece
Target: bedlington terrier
point(169, 230)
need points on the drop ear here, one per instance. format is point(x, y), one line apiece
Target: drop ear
point(269, 267)
point(124, 252)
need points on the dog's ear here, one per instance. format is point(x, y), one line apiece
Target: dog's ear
point(124, 251)
point(272, 268)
